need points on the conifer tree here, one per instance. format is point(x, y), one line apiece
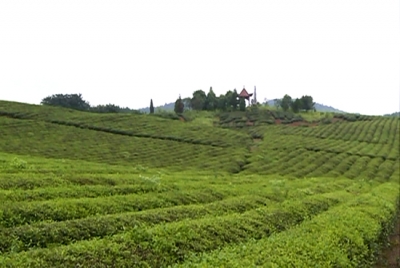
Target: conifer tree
point(179, 106)
point(151, 107)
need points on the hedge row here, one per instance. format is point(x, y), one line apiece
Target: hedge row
point(71, 178)
point(80, 187)
point(81, 144)
point(167, 244)
point(42, 194)
point(18, 213)
point(346, 236)
point(43, 234)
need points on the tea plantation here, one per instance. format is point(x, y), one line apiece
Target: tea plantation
point(254, 189)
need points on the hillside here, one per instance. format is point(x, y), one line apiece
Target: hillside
point(80, 189)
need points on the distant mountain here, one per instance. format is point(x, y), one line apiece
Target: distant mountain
point(319, 107)
point(165, 107)
point(393, 114)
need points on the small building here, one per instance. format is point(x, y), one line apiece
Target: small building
point(245, 95)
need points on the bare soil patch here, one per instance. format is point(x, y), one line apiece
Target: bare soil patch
point(336, 119)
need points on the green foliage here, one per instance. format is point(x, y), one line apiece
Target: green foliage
point(234, 100)
point(296, 105)
point(76, 102)
point(242, 105)
point(307, 103)
point(110, 108)
point(286, 102)
point(198, 101)
point(18, 163)
point(73, 101)
point(179, 106)
point(211, 102)
point(82, 189)
point(345, 236)
point(151, 107)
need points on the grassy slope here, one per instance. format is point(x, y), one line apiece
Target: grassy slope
point(75, 176)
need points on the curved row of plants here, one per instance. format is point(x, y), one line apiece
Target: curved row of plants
point(379, 130)
point(81, 144)
point(18, 213)
point(308, 156)
point(169, 243)
point(348, 235)
point(43, 234)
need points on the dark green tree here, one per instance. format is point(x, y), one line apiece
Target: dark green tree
point(211, 101)
point(222, 103)
point(234, 101)
point(179, 106)
point(286, 102)
point(198, 100)
point(187, 103)
point(72, 101)
point(151, 107)
point(242, 105)
point(228, 100)
point(296, 105)
point(108, 108)
point(307, 103)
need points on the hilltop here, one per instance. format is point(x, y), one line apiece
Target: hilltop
point(83, 188)
point(170, 107)
point(393, 114)
point(318, 107)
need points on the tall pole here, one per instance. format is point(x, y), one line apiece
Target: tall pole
point(255, 95)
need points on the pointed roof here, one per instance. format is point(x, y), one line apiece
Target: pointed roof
point(245, 94)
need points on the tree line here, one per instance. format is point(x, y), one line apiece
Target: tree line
point(76, 102)
point(305, 103)
point(202, 101)
point(230, 101)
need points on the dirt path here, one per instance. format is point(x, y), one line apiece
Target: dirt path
point(390, 257)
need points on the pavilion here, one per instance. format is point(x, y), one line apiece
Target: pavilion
point(245, 95)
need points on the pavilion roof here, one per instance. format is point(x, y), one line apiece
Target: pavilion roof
point(245, 94)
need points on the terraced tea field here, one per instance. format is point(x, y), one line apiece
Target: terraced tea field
point(90, 190)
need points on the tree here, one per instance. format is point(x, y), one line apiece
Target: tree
point(199, 100)
point(222, 103)
point(179, 106)
point(211, 101)
point(296, 105)
point(72, 101)
point(277, 103)
point(109, 108)
point(234, 100)
point(307, 103)
point(151, 107)
point(228, 100)
point(242, 105)
point(286, 102)
point(187, 103)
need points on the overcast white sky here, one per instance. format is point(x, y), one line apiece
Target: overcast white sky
point(344, 53)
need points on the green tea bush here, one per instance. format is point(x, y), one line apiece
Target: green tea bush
point(167, 244)
point(348, 235)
